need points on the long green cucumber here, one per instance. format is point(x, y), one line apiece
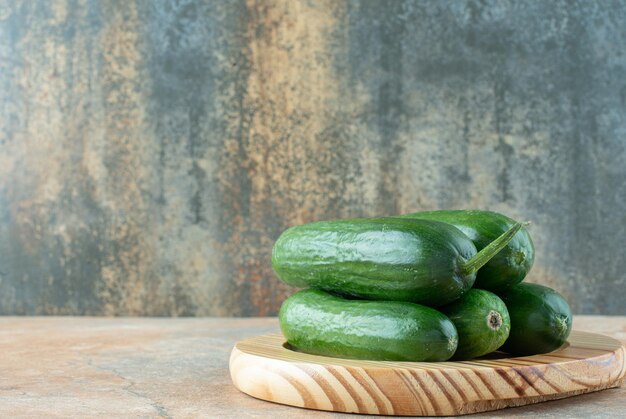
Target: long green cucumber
point(541, 319)
point(317, 322)
point(482, 322)
point(510, 265)
point(400, 259)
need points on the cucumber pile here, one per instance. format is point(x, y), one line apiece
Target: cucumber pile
point(427, 286)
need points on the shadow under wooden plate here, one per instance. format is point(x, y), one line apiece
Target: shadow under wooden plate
point(265, 368)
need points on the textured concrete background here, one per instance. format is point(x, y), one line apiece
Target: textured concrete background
point(152, 151)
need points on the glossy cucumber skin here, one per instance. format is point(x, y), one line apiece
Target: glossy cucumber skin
point(541, 319)
point(471, 315)
point(380, 259)
point(511, 265)
point(316, 322)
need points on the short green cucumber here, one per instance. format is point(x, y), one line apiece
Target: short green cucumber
point(541, 319)
point(482, 322)
point(316, 322)
point(420, 261)
point(508, 267)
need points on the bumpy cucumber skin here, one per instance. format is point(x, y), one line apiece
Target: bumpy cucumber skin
point(541, 319)
point(511, 265)
point(316, 322)
point(380, 259)
point(470, 315)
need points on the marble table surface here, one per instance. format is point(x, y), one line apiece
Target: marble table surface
point(161, 367)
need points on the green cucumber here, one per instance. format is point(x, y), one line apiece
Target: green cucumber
point(419, 261)
point(482, 322)
point(541, 319)
point(320, 323)
point(508, 267)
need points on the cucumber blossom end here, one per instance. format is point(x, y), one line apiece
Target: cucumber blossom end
point(494, 320)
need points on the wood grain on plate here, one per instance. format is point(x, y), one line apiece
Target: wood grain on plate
point(264, 367)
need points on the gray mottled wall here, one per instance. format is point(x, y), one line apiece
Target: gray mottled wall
point(152, 151)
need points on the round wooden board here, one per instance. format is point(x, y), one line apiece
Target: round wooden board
point(265, 368)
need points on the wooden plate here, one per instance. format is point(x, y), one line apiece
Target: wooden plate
point(264, 367)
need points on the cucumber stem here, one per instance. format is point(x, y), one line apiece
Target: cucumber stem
point(489, 251)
